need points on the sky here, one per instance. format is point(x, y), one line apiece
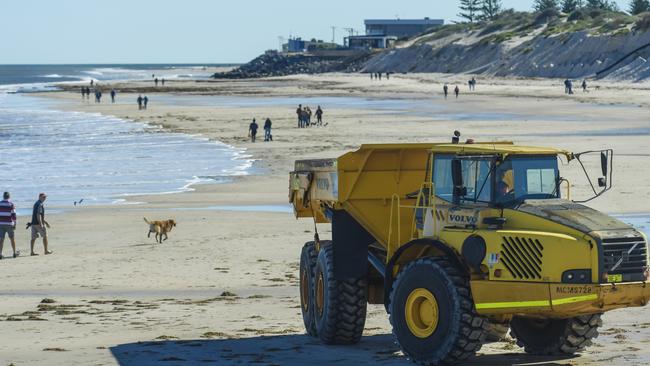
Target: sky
point(188, 31)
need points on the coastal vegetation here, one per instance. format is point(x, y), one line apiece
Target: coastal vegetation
point(556, 38)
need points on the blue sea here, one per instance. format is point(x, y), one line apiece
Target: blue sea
point(101, 159)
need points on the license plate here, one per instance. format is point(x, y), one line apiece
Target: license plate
point(615, 278)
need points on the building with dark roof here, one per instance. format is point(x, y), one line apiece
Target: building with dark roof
point(400, 28)
point(383, 33)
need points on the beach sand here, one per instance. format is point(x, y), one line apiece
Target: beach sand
point(223, 288)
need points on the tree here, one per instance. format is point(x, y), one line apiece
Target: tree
point(542, 5)
point(569, 6)
point(639, 6)
point(602, 5)
point(469, 9)
point(491, 8)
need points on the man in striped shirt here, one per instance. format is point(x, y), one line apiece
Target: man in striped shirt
point(7, 222)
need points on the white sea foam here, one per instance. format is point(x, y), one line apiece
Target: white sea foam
point(101, 158)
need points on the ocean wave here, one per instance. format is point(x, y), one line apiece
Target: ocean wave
point(100, 158)
point(93, 72)
point(53, 76)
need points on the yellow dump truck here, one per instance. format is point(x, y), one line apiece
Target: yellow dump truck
point(456, 237)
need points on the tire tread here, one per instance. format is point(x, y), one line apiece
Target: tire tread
point(472, 332)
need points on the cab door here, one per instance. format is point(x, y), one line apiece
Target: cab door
point(475, 196)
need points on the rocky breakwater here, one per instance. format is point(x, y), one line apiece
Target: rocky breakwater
point(281, 64)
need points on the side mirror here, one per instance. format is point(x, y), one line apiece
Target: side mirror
point(603, 163)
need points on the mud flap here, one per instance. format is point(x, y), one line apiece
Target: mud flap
point(350, 243)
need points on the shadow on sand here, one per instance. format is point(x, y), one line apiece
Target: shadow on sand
point(292, 350)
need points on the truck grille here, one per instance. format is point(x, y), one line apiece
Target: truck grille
point(625, 256)
point(522, 257)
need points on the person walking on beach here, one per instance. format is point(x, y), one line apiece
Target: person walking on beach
point(155, 81)
point(139, 101)
point(92, 81)
point(252, 130)
point(584, 85)
point(388, 76)
point(162, 81)
point(7, 222)
point(113, 94)
point(456, 91)
point(39, 224)
point(267, 130)
point(145, 101)
point(472, 84)
point(307, 116)
point(568, 86)
point(319, 116)
point(299, 113)
point(445, 89)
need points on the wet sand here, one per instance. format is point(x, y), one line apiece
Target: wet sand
point(223, 288)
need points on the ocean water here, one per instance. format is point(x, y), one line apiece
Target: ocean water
point(100, 159)
point(36, 77)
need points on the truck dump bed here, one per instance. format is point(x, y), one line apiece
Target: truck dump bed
point(364, 183)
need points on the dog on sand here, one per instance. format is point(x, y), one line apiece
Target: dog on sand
point(161, 228)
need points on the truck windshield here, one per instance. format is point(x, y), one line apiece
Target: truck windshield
point(521, 177)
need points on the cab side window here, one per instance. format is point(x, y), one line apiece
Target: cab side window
point(476, 178)
point(442, 177)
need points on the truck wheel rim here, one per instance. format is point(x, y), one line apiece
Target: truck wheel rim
point(304, 290)
point(421, 313)
point(320, 293)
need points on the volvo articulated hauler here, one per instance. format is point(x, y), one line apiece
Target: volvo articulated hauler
point(455, 238)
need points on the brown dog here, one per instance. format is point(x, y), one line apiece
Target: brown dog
point(160, 228)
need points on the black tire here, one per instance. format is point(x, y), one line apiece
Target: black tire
point(495, 331)
point(555, 336)
point(307, 267)
point(460, 331)
point(340, 311)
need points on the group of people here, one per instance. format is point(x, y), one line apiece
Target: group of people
point(445, 90)
point(305, 114)
point(471, 83)
point(8, 220)
point(142, 102)
point(568, 86)
point(85, 94)
point(253, 127)
point(155, 80)
point(377, 76)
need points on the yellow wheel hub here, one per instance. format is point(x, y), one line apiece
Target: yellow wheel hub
point(421, 313)
point(320, 293)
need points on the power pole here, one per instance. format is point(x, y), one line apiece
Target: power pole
point(281, 40)
point(350, 31)
point(333, 34)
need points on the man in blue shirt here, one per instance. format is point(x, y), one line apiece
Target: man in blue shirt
point(39, 224)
